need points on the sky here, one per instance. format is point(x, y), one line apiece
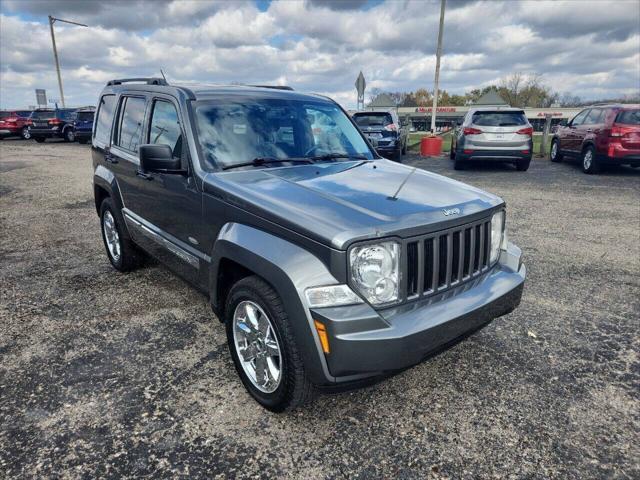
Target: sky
point(589, 48)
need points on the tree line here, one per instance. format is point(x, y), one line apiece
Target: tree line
point(518, 90)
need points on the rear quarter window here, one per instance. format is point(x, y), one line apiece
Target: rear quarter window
point(105, 119)
point(499, 119)
point(628, 117)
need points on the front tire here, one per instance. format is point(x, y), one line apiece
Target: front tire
point(589, 161)
point(555, 155)
point(69, 135)
point(120, 248)
point(25, 133)
point(263, 348)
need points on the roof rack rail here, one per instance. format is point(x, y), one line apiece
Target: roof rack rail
point(275, 87)
point(148, 81)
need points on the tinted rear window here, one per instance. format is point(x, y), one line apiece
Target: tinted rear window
point(373, 119)
point(499, 119)
point(84, 116)
point(4, 114)
point(24, 113)
point(43, 114)
point(628, 117)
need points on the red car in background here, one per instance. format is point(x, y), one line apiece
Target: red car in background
point(15, 124)
point(600, 135)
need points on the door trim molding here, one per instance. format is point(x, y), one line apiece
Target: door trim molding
point(181, 250)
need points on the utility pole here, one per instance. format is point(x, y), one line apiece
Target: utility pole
point(438, 54)
point(52, 20)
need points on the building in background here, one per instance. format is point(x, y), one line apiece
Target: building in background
point(419, 118)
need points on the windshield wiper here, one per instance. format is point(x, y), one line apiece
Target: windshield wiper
point(335, 156)
point(256, 162)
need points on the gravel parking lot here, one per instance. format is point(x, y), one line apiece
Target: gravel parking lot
point(111, 375)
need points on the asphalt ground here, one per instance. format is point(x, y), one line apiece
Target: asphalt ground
point(128, 376)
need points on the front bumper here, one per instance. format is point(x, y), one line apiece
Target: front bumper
point(367, 343)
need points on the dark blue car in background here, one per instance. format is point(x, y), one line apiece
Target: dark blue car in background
point(83, 124)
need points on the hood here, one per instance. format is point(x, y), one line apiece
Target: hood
point(338, 203)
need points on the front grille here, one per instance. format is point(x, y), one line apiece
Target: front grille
point(441, 260)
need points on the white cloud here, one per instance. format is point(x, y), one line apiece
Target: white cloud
point(320, 46)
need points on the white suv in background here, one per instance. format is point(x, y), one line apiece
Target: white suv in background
point(500, 134)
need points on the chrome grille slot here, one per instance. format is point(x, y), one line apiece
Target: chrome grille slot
point(439, 261)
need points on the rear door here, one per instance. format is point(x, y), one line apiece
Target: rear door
point(590, 127)
point(498, 130)
point(572, 139)
point(127, 137)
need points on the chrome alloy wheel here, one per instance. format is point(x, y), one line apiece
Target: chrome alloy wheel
point(111, 235)
point(257, 346)
point(554, 149)
point(588, 159)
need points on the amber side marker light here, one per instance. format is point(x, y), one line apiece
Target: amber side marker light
point(322, 333)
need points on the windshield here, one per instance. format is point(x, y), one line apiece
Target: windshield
point(373, 119)
point(499, 119)
point(234, 132)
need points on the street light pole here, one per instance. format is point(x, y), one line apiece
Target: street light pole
point(52, 20)
point(438, 54)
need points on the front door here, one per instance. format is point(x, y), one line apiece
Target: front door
point(168, 205)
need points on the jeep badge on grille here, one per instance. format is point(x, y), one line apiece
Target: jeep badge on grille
point(450, 211)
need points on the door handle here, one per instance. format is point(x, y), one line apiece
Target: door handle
point(144, 175)
point(110, 158)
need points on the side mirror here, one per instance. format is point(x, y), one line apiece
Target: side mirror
point(159, 158)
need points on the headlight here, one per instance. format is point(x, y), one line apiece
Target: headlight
point(497, 230)
point(331, 296)
point(375, 271)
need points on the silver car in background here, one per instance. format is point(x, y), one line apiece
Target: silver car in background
point(500, 134)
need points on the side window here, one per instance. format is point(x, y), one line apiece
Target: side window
point(105, 117)
point(579, 119)
point(594, 117)
point(130, 126)
point(165, 127)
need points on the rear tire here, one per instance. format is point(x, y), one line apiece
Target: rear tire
point(590, 163)
point(121, 250)
point(69, 135)
point(452, 153)
point(25, 133)
point(39, 139)
point(460, 165)
point(523, 165)
point(555, 155)
point(294, 387)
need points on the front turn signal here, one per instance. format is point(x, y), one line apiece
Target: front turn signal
point(322, 334)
